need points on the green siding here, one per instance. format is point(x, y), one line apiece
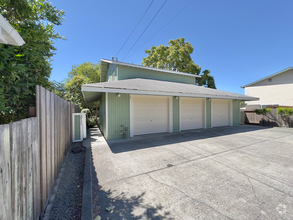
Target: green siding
point(131, 73)
point(103, 113)
point(76, 127)
point(208, 113)
point(236, 112)
point(119, 114)
point(176, 121)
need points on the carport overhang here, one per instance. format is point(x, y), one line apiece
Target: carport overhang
point(93, 92)
point(8, 35)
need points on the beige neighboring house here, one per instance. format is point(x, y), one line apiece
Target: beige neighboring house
point(275, 89)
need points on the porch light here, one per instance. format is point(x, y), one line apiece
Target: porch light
point(176, 97)
point(118, 94)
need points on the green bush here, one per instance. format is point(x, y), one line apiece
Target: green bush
point(287, 112)
point(91, 122)
point(263, 111)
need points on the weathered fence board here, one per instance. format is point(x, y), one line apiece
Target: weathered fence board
point(5, 174)
point(31, 153)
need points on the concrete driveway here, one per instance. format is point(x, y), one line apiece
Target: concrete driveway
point(243, 172)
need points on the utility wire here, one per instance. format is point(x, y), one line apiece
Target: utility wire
point(163, 26)
point(145, 29)
point(134, 28)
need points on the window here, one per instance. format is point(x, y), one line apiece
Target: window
point(270, 80)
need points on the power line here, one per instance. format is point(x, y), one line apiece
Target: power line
point(134, 28)
point(163, 26)
point(145, 29)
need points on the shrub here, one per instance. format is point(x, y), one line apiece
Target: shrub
point(263, 111)
point(287, 112)
point(91, 122)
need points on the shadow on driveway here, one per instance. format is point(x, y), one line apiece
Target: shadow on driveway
point(155, 140)
point(123, 206)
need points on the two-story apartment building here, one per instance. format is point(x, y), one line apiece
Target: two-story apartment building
point(148, 100)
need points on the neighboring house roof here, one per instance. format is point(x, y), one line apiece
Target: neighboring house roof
point(267, 77)
point(156, 87)
point(105, 63)
point(8, 35)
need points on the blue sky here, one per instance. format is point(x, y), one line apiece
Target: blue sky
point(239, 41)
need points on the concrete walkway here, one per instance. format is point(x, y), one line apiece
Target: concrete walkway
point(243, 172)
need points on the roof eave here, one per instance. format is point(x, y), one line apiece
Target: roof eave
point(8, 35)
point(85, 88)
point(267, 77)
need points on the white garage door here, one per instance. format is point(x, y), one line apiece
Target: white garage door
point(150, 114)
point(192, 115)
point(220, 112)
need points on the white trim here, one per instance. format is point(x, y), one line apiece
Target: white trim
point(267, 77)
point(8, 34)
point(94, 89)
point(231, 112)
point(73, 126)
point(179, 113)
point(212, 113)
point(84, 125)
point(149, 68)
point(205, 113)
point(131, 115)
point(170, 114)
point(106, 110)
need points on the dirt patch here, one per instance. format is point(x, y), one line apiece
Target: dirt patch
point(68, 199)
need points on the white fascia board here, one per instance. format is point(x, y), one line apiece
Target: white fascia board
point(267, 77)
point(8, 34)
point(149, 68)
point(91, 89)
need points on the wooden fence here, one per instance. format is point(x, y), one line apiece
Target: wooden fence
point(31, 153)
point(250, 117)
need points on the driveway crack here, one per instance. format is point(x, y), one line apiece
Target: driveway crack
point(199, 202)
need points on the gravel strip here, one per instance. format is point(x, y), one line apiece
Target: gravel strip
point(68, 199)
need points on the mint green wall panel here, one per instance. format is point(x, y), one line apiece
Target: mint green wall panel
point(119, 114)
point(176, 126)
point(103, 113)
point(208, 113)
point(236, 112)
point(131, 73)
point(111, 73)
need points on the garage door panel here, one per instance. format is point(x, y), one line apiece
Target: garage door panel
point(220, 113)
point(191, 113)
point(150, 114)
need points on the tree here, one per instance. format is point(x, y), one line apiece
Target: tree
point(85, 73)
point(21, 68)
point(285, 113)
point(177, 56)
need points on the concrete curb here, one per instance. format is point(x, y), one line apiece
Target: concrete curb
point(87, 200)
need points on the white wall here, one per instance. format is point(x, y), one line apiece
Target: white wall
point(278, 91)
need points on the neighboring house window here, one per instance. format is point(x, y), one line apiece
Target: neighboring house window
point(270, 79)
